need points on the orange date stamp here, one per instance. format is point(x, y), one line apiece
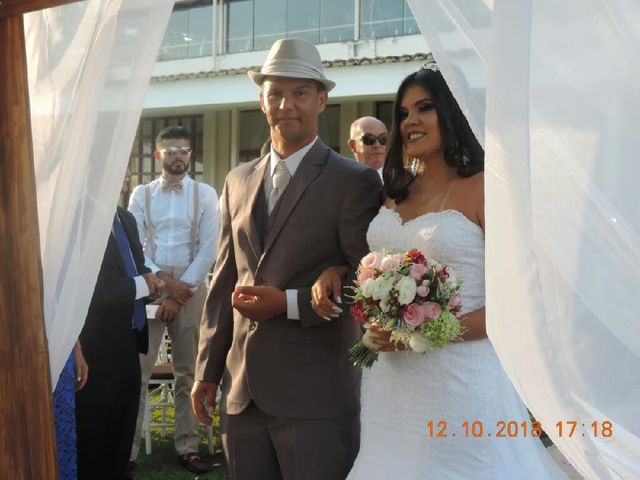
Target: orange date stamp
point(514, 429)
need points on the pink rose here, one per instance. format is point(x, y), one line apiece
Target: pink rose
point(423, 291)
point(431, 310)
point(365, 274)
point(371, 260)
point(389, 263)
point(414, 315)
point(454, 302)
point(417, 270)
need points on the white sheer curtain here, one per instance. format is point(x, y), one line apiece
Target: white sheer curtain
point(89, 68)
point(563, 226)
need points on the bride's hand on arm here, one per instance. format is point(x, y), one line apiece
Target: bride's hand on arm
point(474, 324)
point(325, 292)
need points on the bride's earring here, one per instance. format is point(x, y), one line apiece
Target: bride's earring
point(415, 167)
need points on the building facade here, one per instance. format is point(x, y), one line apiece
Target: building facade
point(200, 82)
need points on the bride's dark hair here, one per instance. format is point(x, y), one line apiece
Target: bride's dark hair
point(461, 148)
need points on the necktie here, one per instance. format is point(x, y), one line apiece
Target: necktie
point(166, 186)
point(139, 312)
point(280, 180)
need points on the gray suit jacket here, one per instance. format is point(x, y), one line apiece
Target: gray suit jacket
point(290, 368)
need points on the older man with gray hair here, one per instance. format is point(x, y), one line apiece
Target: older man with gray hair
point(368, 140)
point(290, 396)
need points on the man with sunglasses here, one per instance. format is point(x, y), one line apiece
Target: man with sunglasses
point(368, 142)
point(179, 226)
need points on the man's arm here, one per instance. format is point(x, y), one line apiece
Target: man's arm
point(361, 204)
point(137, 209)
point(208, 234)
point(113, 291)
point(147, 284)
point(216, 327)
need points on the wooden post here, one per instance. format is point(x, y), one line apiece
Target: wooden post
point(27, 434)
point(27, 437)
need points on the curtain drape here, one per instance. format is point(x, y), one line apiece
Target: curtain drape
point(562, 223)
point(89, 67)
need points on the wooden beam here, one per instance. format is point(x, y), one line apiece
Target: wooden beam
point(9, 8)
point(27, 437)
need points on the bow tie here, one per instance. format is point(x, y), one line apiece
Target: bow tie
point(171, 186)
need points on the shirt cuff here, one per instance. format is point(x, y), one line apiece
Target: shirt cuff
point(193, 289)
point(292, 305)
point(142, 289)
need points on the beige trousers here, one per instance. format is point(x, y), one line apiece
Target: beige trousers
point(184, 333)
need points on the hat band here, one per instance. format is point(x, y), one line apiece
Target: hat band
point(292, 68)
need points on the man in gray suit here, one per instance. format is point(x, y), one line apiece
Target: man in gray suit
point(290, 398)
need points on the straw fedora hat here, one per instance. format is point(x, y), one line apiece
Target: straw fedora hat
point(294, 58)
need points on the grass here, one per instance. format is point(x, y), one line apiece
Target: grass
point(162, 463)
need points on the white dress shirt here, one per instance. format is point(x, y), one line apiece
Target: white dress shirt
point(292, 162)
point(172, 213)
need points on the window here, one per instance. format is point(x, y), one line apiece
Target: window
point(272, 24)
point(303, 19)
point(256, 24)
point(144, 167)
point(254, 133)
point(239, 18)
point(336, 21)
point(329, 127)
point(386, 18)
point(384, 113)
point(189, 32)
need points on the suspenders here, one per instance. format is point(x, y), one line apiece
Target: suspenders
point(194, 224)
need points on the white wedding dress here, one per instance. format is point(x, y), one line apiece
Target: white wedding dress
point(461, 382)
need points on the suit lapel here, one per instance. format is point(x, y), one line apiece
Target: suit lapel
point(253, 188)
point(310, 167)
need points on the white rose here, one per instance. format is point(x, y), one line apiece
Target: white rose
point(389, 263)
point(418, 342)
point(367, 288)
point(407, 289)
point(381, 288)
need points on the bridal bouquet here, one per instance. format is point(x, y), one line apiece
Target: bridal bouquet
point(409, 295)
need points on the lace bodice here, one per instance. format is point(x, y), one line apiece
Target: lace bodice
point(447, 236)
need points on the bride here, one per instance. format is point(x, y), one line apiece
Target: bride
point(449, 413)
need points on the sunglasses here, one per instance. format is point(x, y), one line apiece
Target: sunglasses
point(370, 140)
point(176, 150)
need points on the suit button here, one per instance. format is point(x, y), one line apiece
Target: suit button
point(258, 280)
point(252, 325)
